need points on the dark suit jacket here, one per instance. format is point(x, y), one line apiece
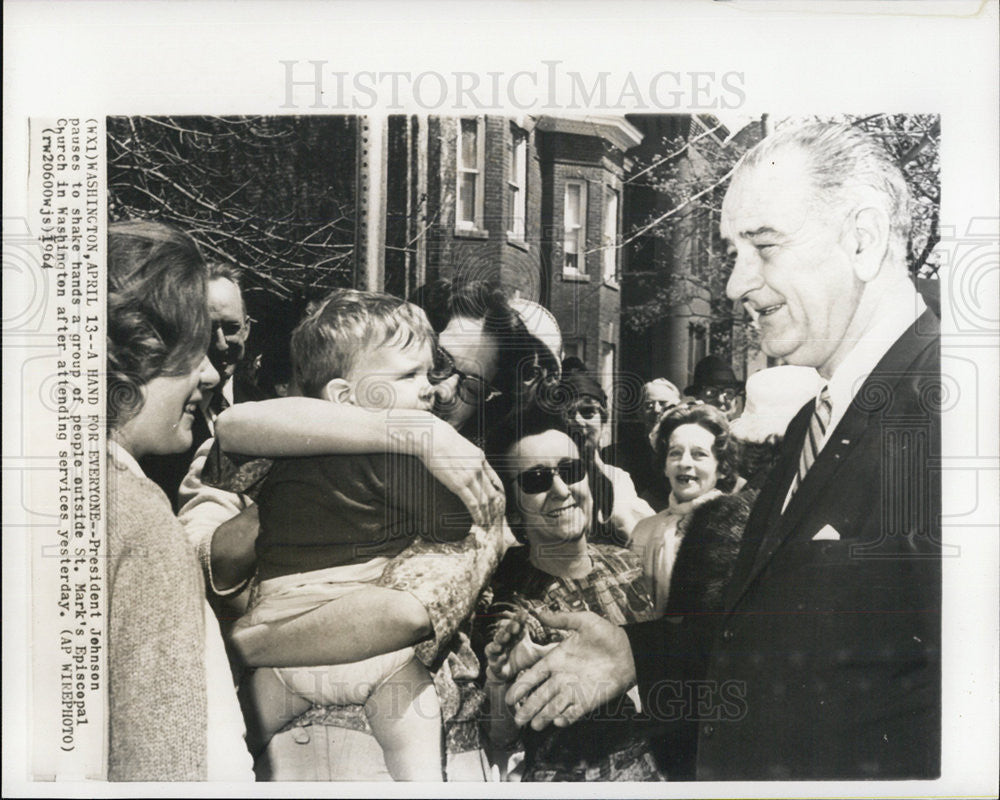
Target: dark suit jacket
point(168, 471)
point(826, 662)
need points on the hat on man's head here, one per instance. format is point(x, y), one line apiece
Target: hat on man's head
point(712, 371)
point(774, 397)
point(579, 384)
point(541, 324)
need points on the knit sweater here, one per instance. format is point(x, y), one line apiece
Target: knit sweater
point(156, 654)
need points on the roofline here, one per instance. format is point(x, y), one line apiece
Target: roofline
point(616, 130)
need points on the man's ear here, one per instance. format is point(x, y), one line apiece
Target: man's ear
point(337, 390)
point(871, 239)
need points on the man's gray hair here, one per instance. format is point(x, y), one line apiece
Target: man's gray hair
point(844, 159)
point(662, 383)
point(229, 272)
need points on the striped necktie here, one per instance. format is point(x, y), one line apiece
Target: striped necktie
point(818, 424)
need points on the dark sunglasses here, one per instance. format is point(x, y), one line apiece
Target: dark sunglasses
point(710, 393)
point(539, 479)
point(472, 389)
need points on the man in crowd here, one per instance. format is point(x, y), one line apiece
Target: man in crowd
point(617, 501)
point(658, 397)
point(230, 329)
point(715, 383)
point(635, 453)
point(825, 663)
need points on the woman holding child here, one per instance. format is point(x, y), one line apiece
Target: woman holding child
point(475, 387)
point(550, 505)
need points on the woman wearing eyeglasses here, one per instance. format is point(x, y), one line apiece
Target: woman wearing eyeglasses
point(618, 507)
point(490, 363)
point(549, 507)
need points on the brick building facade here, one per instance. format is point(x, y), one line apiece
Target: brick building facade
point(534, 202)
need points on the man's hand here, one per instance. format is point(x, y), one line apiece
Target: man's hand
point(592, 666)
point(463, 469)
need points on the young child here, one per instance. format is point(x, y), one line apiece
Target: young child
point(329, 524)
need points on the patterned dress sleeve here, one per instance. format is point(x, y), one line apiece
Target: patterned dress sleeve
point(203, 509)
point(447, 578)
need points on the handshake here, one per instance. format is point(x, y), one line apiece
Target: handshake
point(590, 664)
point(513, 649)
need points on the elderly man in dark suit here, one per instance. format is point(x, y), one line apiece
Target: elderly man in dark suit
point(826, 661)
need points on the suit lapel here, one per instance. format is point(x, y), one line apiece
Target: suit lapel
point(768, 528)
point(766, 510)
point(822, 474)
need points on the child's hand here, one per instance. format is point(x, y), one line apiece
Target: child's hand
point(512, 648)
point(498, 651)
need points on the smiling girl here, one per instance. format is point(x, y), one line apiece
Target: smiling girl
point(697, 455)
point(166, 657)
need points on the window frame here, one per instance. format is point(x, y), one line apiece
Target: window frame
point(581, 233)
point(575, 346)
point(475, 224)
point(697, 345)
point(517, 189)
point(611, 253)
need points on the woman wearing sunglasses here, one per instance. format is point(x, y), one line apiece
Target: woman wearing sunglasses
point(549, 507)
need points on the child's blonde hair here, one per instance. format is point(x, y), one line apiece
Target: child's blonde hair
point(328, 343)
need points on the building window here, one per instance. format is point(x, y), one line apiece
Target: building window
point(697, 345)
point(575, 227)
point(517, 182)
point(609, 241)
point(470, 157)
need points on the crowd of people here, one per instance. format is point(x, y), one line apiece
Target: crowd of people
point(428, 544)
